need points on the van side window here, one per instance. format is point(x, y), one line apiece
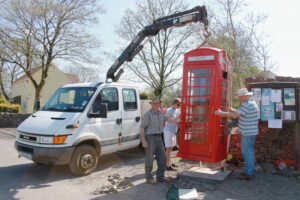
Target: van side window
point(109, 96)
point(129, 99)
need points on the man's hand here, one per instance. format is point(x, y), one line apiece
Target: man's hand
point(219, 112)
point(144, 144)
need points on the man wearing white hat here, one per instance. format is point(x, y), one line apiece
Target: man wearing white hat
point(248, 128)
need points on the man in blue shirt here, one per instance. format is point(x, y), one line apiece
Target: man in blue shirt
point(248, 128)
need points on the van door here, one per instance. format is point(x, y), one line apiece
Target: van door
point(109, 129)
point(131, 115)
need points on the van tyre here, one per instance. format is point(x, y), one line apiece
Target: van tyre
point(84, 160)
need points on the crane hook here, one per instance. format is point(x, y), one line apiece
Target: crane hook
point(206, 35)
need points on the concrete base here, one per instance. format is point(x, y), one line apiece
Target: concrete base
point(199, 174)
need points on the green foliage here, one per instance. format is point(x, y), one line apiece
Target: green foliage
point(144, 96)
point(7, 107)
point(3, 101)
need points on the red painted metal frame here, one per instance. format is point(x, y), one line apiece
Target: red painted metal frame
point(205, 88)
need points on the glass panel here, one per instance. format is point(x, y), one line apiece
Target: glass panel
point(129, 98)
point(70, 99)
point(110, 96)
point(199, 100)
point(224, 83)
point(224, 102)
point(203, 110)
point(196, 91)
point(200, 82)
point(198, 139)
point(224, 93)
point(200, 72)
point(200, 119)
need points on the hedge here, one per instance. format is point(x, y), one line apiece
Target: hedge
point(13, 108)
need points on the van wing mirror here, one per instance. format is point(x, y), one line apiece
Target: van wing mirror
point(98, 110)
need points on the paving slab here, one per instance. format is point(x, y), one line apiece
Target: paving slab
point(201, 174)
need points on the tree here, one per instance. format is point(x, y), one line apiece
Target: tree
point(85, 74)
point(238, 36)
point(158, 63)
point(37, 32)
point(2, 85)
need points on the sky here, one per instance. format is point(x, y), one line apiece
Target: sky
point(282, 27)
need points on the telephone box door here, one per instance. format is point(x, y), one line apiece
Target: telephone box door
point(197, 109)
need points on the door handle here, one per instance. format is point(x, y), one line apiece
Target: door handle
point(119, 121)
point(137, 119)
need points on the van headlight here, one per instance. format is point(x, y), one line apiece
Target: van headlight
point(46, 140)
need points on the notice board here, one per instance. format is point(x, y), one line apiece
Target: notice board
point(277, 101)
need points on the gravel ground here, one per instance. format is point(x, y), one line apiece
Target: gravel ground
point(269, 184)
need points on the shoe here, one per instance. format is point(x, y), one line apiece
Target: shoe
point(246, 176)
point(162, 180)
point(173, 165)
point(151, 181)
point(170, 168)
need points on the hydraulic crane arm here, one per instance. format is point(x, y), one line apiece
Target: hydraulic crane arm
point(175, 20)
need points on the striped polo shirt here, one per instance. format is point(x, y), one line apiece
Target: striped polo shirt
point(248, 120)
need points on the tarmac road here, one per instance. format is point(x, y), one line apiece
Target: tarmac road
point(23, 180)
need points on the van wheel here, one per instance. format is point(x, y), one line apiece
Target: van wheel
point(84, 160)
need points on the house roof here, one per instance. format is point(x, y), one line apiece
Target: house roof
point(25, 76)
point(72, 77)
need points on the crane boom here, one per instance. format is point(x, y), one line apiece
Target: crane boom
point(196, 14)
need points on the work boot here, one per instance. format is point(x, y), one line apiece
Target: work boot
point(246, 176)
point(162, 180)
point(151, 181)
point(170, 168)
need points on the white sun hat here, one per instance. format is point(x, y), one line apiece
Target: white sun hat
point(244, 92)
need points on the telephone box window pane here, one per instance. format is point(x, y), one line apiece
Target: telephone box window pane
point(199, 129)
point(198, 139)
point(224, 83)
point(201, 110)
point(196, 91)
point(224, 102)
point(200, 120)
point(199, 100)
point(224, 93)
point(201, 72)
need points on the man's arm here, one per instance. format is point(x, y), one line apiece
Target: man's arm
point(143, 138)
point(233, 114)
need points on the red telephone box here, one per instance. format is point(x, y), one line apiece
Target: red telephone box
point(205, 88)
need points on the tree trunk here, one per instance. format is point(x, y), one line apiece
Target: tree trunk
point(2, 88)
point(36, 106)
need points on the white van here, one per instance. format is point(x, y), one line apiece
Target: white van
point(79, 123)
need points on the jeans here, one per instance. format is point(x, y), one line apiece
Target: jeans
point(155, 147)
point(248, 153)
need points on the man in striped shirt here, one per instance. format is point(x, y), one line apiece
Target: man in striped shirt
point(248, 128)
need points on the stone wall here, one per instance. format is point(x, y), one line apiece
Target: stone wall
point(271, 145)
point(12, 120)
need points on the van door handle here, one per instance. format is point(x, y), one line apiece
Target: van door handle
point(137, 119)
point(119, 121)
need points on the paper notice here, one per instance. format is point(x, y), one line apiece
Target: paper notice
point(256, 94)
point(276, 96)
point(275, 123)
point(265, 100)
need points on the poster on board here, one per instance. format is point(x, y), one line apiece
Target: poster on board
point(276, 95)
point(256, 94)
point(289, 96)
point(267, 112)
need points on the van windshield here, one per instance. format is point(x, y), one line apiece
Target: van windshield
point(71, 99)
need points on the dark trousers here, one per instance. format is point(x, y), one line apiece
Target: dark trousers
point(155, 147)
